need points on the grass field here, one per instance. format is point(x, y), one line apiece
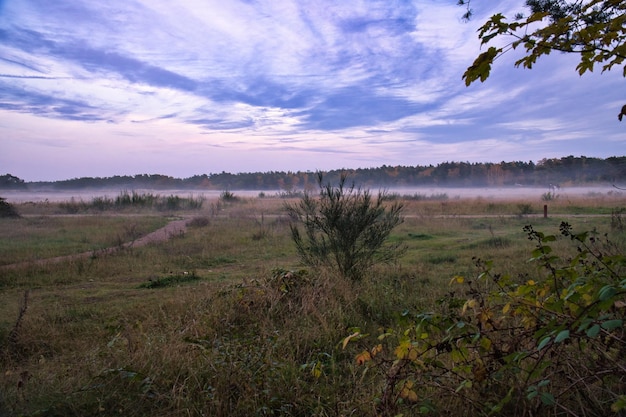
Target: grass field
point(211, 322)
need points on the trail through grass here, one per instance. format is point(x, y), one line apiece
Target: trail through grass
point(221, 320)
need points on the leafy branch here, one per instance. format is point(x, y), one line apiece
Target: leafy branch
point(515, 345)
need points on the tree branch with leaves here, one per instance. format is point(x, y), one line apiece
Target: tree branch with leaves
point(593, 29)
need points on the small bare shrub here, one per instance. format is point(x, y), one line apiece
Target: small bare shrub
point(14, 334)
point(198, 222)
point(524, 209)
point(617, 222)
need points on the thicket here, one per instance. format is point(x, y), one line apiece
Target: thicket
point(7, 209)
point(133, 200)
point(550, 344)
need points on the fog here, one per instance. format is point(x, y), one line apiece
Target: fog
point(490, 193)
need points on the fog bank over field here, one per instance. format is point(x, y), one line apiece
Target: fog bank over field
point(440, 193)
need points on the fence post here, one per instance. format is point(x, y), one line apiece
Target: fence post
point(545, 211)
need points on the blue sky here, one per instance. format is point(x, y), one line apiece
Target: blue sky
point(101, 88)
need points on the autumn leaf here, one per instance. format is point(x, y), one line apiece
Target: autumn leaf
point(363, 357)
point(377, 349)
point(347, 339)
point(457, 279)
point(402, 349)
point(407, 392)
point(316, 371)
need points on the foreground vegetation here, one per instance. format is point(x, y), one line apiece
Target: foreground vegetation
point(224, 321)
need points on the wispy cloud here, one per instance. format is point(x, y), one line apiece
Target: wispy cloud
point(243, 84)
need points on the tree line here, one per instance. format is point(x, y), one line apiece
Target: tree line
point(565, 171)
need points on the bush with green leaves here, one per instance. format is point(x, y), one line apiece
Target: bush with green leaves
point(553, 344)
point(345, 228)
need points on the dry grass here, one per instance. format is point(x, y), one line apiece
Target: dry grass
point(236, 341)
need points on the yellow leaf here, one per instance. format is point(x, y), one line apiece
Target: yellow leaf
point(402, 349)
point(377, 349)
point(506, 308)
point(485, 315)
point(347, 339)
point(530, 282)
point(412, 396)
point(468, 304)
point(317, 370)
point(408, 394)
point(458, 279)
point(485, 343)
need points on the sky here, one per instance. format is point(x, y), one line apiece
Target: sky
point(92, 88)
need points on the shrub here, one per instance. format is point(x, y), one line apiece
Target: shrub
point(548, 345)
point(73, 206)
point(548, 196)
point(617, 222)
point(345, 229)
point(7, 209)
point(198, 222)
point(524, 209)
point(228, 197)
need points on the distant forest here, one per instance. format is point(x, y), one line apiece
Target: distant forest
point(567, 171)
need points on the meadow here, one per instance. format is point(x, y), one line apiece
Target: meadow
point(223, 320)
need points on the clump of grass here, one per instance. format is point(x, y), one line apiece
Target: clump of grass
point(170, 280)
point(441, 258)
point(481, 226)
point(73, 206)
point(424, 197)
point(420, 236)
point(549, 196)
point(263, 231)
point(220, 260)
point(524, 209)
point(126, 199)
point(290, 194)
point(494, 242)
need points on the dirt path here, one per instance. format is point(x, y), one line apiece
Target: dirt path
point(173, 228)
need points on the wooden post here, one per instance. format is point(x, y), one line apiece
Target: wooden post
point(545, 211)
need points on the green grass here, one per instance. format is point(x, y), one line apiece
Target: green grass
point(222, 334)
point(40, 237)
point(170, 280)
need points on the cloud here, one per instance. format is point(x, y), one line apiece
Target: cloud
point(348, 83)
point(351, 107)
point(16, 99)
